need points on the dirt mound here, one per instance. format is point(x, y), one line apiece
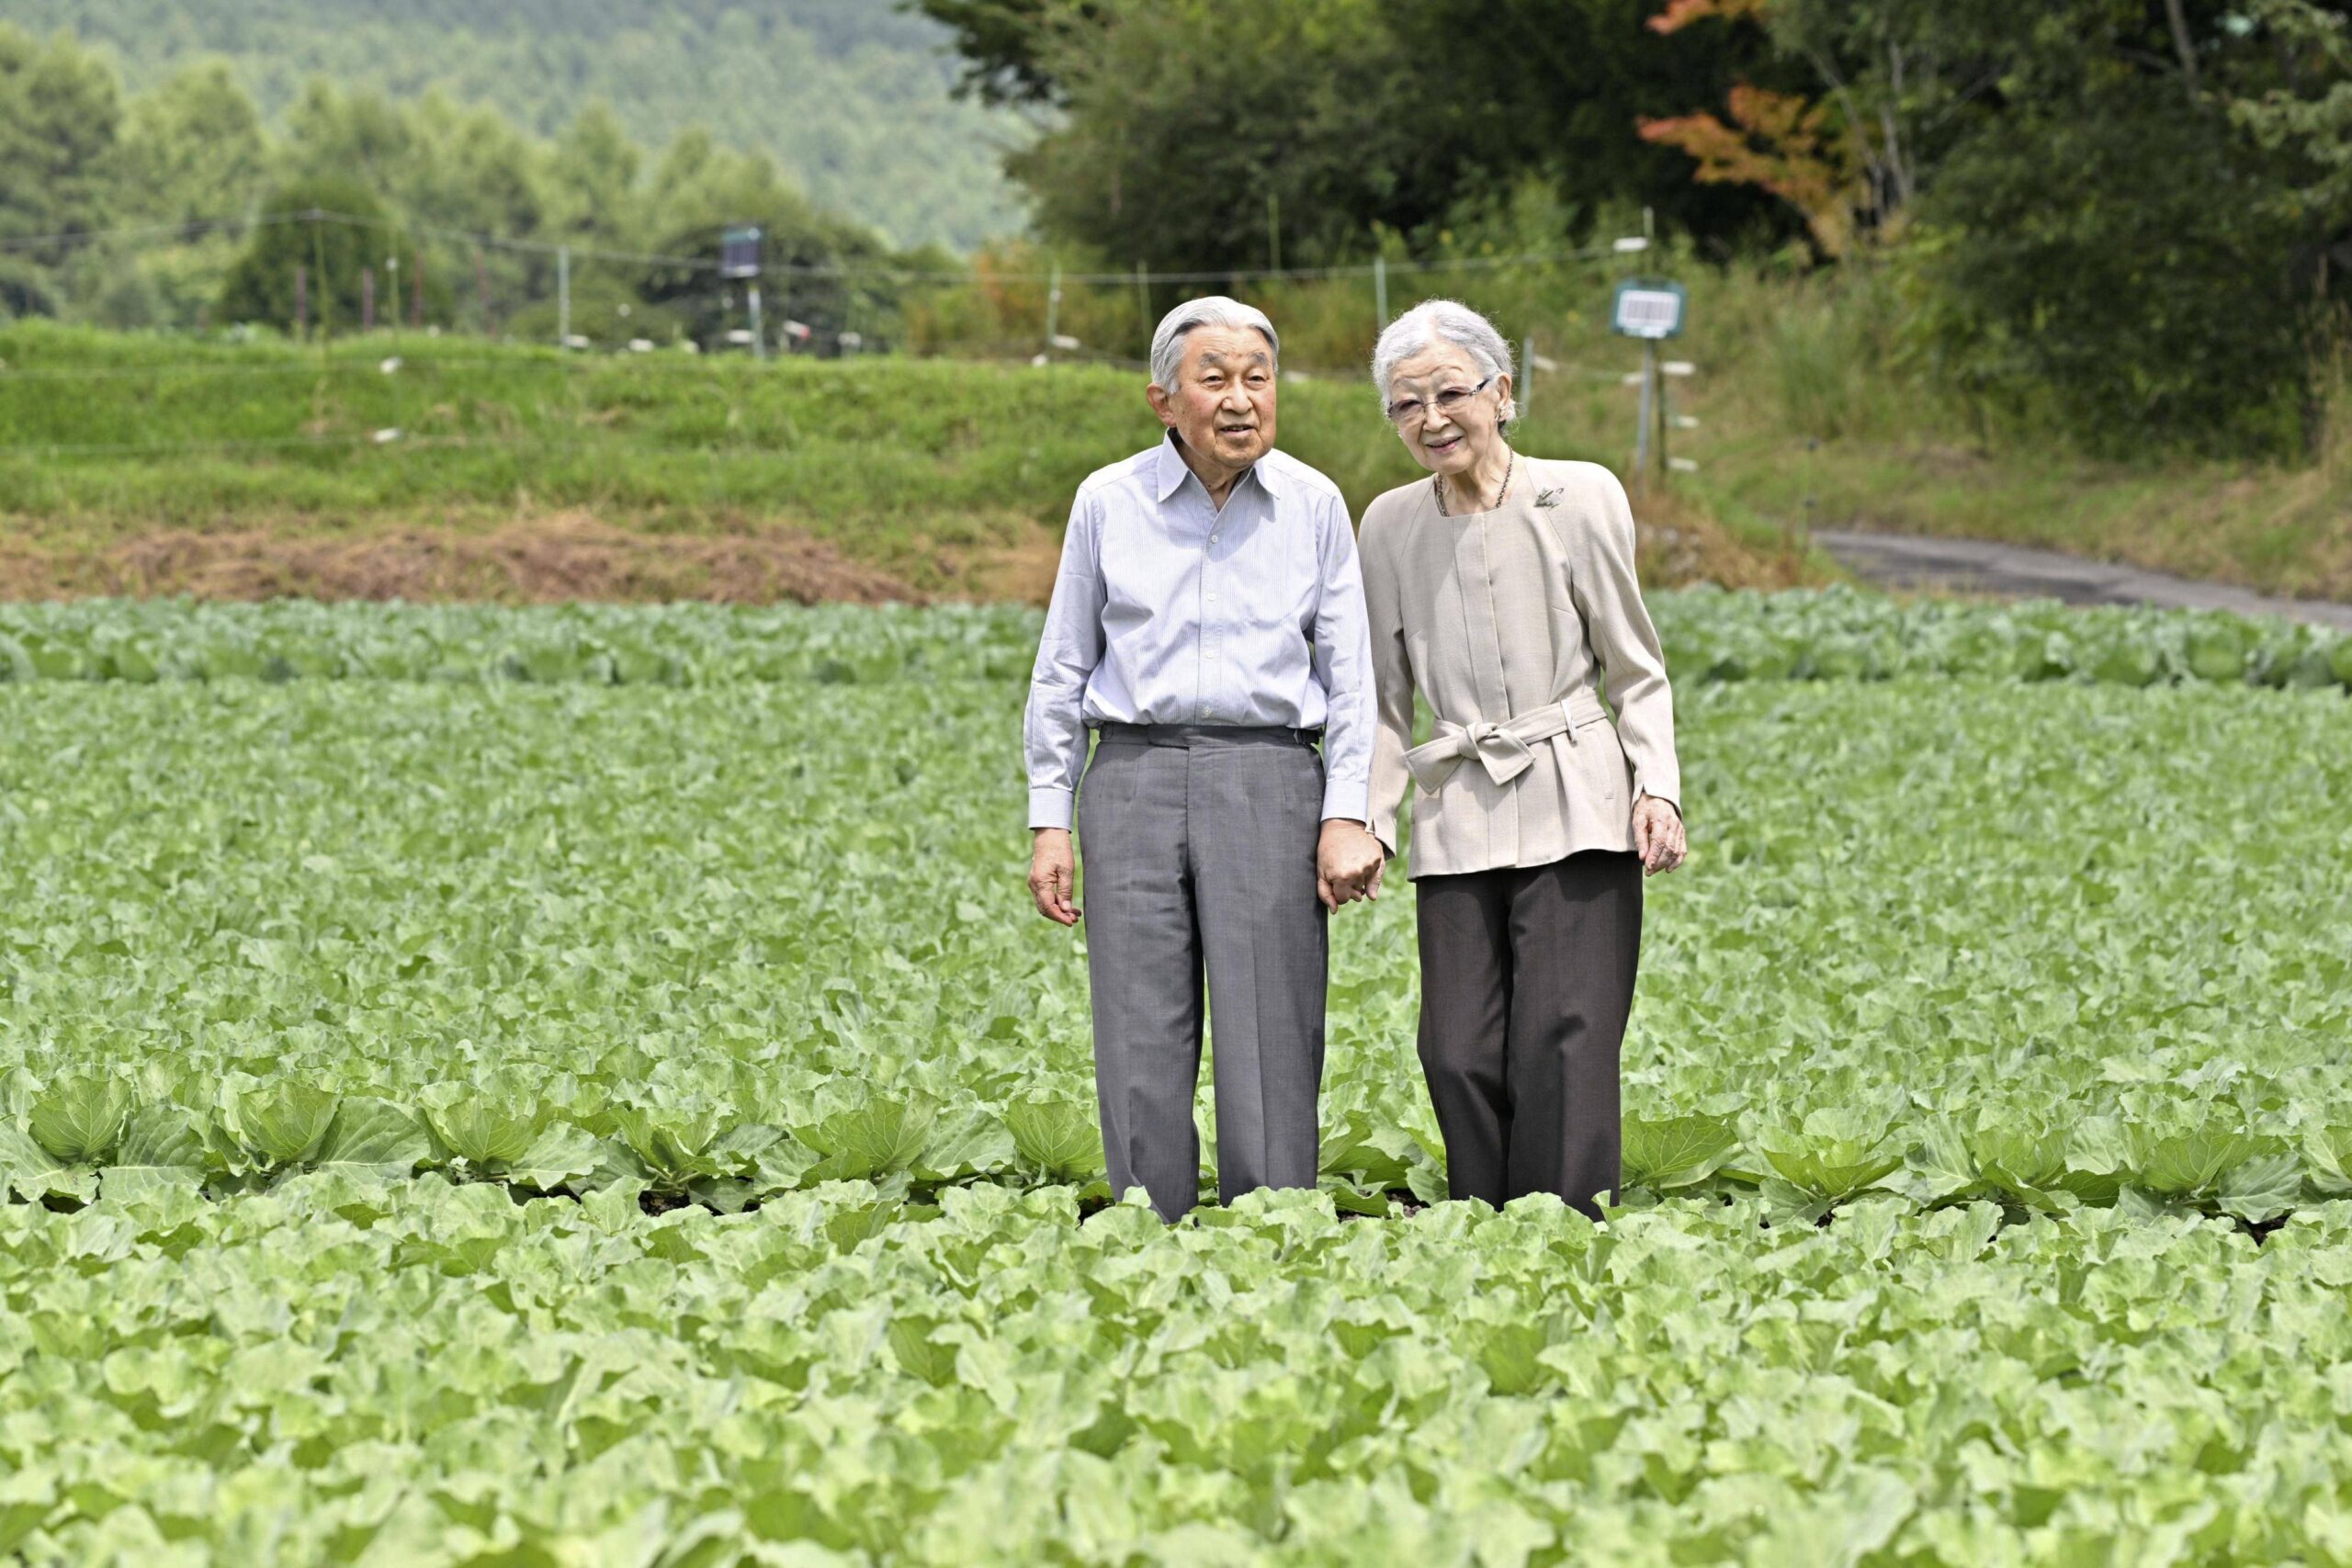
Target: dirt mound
point(1677, 543)
point(561, 555)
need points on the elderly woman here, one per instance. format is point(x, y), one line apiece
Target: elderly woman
point(1501, 589)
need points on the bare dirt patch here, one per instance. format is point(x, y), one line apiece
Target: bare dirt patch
point(1677, 544)
point(1019, 571)
point(542, 560)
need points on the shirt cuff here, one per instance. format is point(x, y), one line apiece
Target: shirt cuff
point(1346, 799)
point(1049, 806)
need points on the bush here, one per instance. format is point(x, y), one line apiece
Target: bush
point(2125, 260)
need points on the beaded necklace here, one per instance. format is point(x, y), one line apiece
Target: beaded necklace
point(1437, 483)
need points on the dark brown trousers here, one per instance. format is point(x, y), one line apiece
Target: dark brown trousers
point(1527, 979)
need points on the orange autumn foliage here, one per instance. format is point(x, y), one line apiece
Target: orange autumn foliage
point(1779, 142)
point(1682, 13)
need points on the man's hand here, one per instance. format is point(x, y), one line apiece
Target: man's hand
point(1658, 835)
point(1053, 876)
point(1348, 864)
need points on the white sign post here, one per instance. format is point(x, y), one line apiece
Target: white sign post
point(1653, 312)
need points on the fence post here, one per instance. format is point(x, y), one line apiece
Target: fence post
point(301, 302)
point(563, 295)
point(1380, 292)
point(1053, 308)
point(319, 264)
point(367, 298)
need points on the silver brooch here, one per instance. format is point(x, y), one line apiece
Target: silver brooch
point(1547, 498)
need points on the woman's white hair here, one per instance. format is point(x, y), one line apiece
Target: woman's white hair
point(1212, 311)
point(1447, 320)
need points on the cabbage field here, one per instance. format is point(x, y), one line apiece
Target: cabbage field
point(583, 1086)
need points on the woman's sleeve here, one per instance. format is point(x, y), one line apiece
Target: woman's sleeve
point(1392, 680)
point(1609, 595)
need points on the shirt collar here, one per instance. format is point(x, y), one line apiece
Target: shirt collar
point(1172, 470)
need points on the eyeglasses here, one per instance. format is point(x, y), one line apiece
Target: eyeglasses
point(1408, 411)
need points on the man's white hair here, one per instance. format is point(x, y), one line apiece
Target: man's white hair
point(1446, 321)
point(1214, 310)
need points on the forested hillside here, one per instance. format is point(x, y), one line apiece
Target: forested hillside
point(851, 97)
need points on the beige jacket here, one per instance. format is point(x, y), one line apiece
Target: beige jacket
point(1505, 622)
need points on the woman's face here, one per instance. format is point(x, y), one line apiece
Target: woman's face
point(1447, 431)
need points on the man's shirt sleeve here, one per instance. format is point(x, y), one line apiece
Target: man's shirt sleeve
point(1053, 732)
point(1343, 664)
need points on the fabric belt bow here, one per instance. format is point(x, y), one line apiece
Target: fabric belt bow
point(1505, 749)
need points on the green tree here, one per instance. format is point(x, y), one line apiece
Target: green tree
point(592, 179)
point(1181, 118)
point(700, 190)
point(61, 116)
point(331, 252)
point(2105, 232)
point(2122, 268)
point(1190, 140)
point(193, 148)
point(359, 136)
point(2305, 117)
point(1558, 89)
point(1014, 50)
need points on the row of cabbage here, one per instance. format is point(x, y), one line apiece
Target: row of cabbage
point(2051, 944)
point(432, 1375)
point(1710, 636)
point(77, 1139)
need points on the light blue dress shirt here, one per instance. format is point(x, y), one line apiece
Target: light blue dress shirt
point(1169, 611)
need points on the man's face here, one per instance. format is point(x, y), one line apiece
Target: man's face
point(1223, 404)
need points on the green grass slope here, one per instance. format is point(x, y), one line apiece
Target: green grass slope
point(105, 439)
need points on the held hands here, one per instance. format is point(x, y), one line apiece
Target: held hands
point(1348, 864)
point(1053, 876)
point(1658, 835)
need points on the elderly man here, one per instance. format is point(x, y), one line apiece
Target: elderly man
point(1209, 624)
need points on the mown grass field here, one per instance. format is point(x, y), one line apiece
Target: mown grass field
point(940, 476)
point(560, 1087)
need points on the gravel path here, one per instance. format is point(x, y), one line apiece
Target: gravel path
point(1980, 565)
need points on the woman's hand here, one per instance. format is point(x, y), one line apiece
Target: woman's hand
point(1348, 864)
point(1053, 876)
point(1658, 835)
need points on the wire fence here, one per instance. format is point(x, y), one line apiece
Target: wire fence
point(585, 305)
point(584, 250)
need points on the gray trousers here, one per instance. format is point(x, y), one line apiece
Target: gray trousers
point(1198, 845)
point(1527, 983)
